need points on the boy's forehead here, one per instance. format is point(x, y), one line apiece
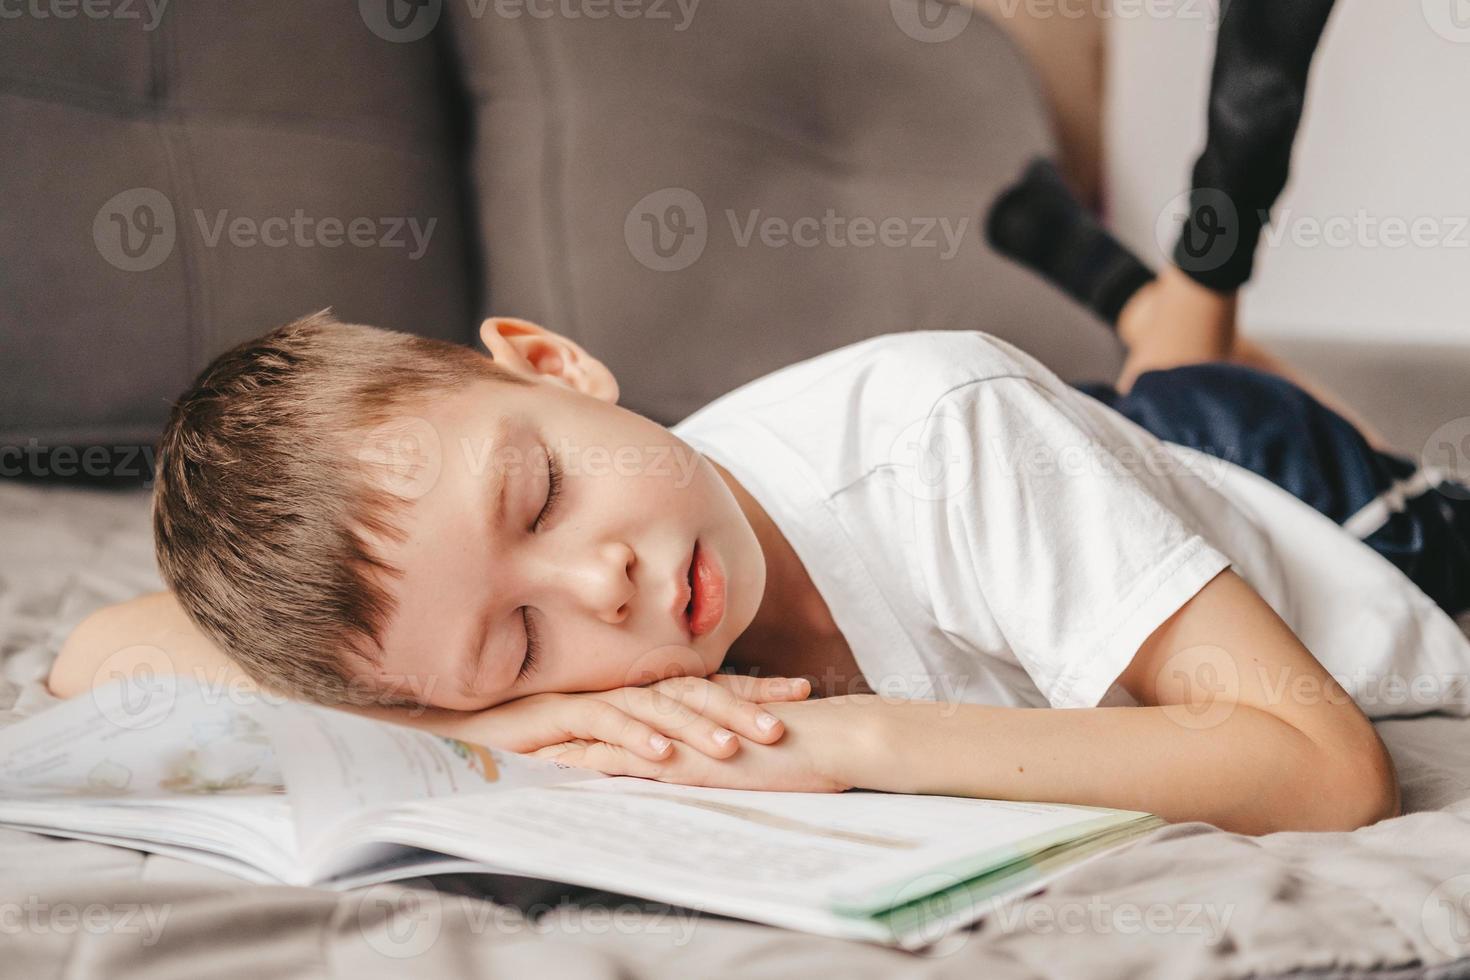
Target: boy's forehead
point(409, 453)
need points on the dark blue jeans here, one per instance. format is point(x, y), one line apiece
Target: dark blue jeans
point(1270, 426)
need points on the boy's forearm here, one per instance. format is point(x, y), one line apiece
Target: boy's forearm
point(1248, 772)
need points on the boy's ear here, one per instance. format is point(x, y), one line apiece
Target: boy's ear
point(544, 355)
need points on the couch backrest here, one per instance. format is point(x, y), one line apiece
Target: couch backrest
point(702, 192)
point(699, 191)
point(176, 183)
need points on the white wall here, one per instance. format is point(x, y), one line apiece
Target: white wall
point(1386, 136)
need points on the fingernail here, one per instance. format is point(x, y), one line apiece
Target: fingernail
point(659, 743)
point(723, 737)
point(765, 722)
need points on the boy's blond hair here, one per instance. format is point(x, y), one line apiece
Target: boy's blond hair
point(262, 507)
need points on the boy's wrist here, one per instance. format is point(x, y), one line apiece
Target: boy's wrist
point(854, 743)
point(894, 745)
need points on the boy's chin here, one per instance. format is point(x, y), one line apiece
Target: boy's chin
point(673, 660)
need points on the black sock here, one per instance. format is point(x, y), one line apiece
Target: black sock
point(1040, 224)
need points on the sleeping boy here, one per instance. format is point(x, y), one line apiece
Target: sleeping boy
point(1006, 588)
point(1183, 593)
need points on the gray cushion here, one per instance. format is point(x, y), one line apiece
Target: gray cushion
point(256, 110)
point(758, 109)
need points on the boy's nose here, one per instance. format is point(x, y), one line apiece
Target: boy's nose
point(604, 581)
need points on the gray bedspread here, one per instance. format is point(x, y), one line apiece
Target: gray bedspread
point(1190, 900)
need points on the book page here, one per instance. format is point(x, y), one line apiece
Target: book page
point(338, 765)
point(307, 793)
point(155, 762)
point(166, 759)
point(792, 859)
point(139, 738)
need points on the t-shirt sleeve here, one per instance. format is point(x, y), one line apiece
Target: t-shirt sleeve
point(1041, 543)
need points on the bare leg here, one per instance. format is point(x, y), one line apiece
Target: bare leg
point(1174, 321)
point(1165, 320)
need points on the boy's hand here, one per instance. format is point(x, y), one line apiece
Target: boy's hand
point(824, 744)
point(703, 715)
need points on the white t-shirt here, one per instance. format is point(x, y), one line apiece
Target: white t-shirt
point(983, 532)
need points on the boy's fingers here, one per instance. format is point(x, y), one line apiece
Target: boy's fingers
point(572, 753)
point(556, 749)
point(602, 722)
point(719, 703)
point(613, 760)
point(764, 688)
point(693, 725)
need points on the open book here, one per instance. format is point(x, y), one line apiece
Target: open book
point(276, 790)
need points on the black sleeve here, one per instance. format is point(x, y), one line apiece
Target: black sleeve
point(1263, 53)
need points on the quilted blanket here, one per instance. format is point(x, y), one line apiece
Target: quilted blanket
point(1391, 900)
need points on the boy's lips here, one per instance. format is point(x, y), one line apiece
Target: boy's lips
point(708, 580)
point(699, 604)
